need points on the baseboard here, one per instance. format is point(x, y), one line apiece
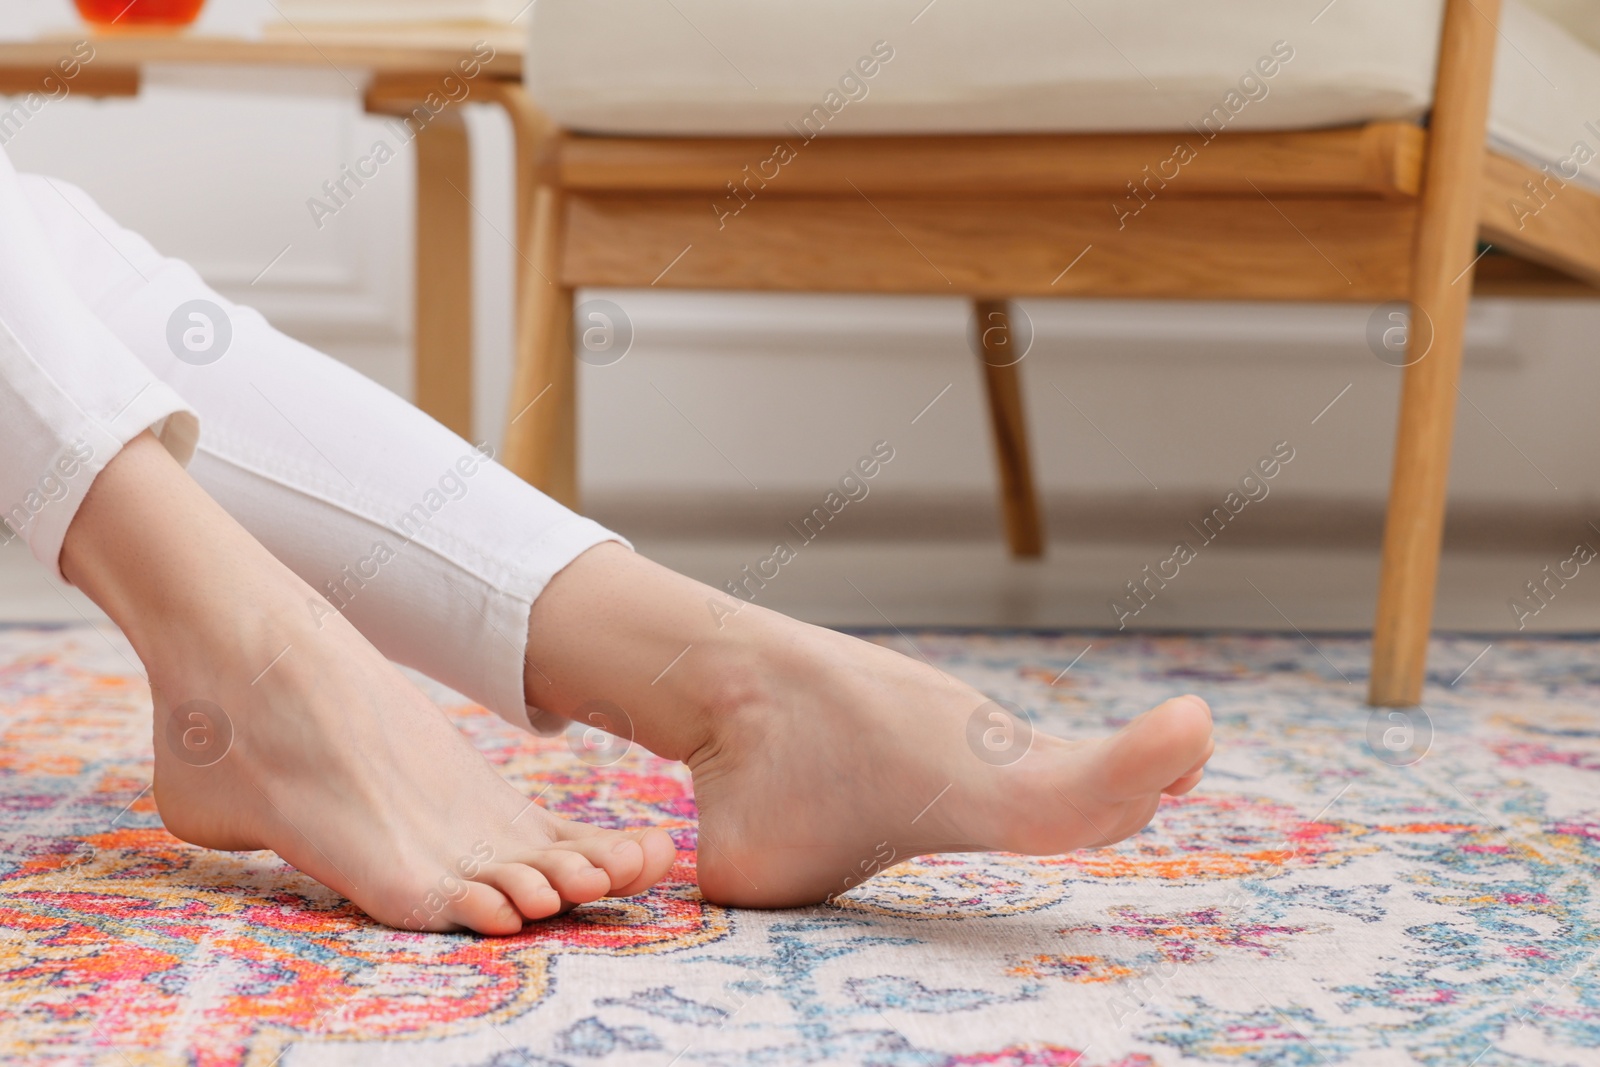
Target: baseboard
point(1279, 521)
point(695, 324)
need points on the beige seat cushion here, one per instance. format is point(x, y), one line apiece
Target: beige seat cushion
point(798, 67)
point(748, 67)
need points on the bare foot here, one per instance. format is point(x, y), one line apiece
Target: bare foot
point(341, 766)
point(820, 759)
point(854, 757)
point(278, 729)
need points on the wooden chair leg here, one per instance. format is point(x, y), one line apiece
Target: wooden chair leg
point(541, 437)
point(541, 432)
point(1441, 285)
point(1002, 381)
point(443, 296)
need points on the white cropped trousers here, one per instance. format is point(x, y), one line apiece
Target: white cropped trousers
point(430, 548)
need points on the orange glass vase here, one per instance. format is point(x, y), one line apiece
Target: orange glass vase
point(130, 14)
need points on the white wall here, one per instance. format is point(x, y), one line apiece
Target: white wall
point(216, 167)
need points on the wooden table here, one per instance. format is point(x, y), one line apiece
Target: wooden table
point(396, 69)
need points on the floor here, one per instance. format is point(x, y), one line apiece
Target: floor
point(975, 584)
point(873, 583)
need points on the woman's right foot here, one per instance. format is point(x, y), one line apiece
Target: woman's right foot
point(336, 762)
point(281, 728)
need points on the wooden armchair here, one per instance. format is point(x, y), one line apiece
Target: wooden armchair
point(1258, 216)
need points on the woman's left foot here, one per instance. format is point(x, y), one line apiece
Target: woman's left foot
point(820, 759)
point(852, 757)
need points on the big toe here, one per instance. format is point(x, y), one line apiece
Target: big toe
point(1165, 747)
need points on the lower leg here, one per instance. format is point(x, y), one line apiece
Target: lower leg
point(293, 733)
point(819, 758)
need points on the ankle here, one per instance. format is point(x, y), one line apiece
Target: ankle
point(169, 566)
point(756, 669)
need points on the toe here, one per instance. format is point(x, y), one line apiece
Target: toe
point(1184, 784)
point(618, 855)
point(659, 854)
point(485, 909)
point(1190, 778)
point(571, 874)
point(1164, 745)
point(631, 869)
point(526, 888)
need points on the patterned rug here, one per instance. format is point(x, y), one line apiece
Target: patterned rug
point(1325, 897)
